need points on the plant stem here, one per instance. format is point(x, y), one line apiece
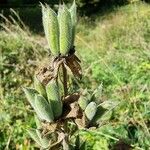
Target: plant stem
point(65, 80)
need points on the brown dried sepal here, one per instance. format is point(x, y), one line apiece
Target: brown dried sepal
point(71, 98)
point(73, 63)
point(49, 72)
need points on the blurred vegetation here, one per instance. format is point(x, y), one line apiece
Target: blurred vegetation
point(114, 49)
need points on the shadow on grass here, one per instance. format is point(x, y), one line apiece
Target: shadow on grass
point(32, 16)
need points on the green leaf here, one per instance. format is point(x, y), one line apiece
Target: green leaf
point(43, 109)
point(39, 86)
point(45, 141)
point(30, 94)
point(38, 122)
point(34, 136)
point(83, 102)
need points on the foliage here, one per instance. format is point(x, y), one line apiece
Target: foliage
point(114, 51)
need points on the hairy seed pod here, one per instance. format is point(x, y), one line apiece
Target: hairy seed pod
point(51, 29)
point(30, 94)
point(90, 110)
point(83, 102)
point(34, 136)
point(53, 94)
point(99, 114)
point(73, 12)
point(39, 87)
point(65, 29)
point(43, 109)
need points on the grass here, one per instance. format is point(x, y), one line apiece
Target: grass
point(114, 50)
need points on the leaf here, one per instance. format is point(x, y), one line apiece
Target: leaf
point(83, 102)
point(30, 94)
point(34, 136)
point(97, 94)
point(43, 109)
point(38, 122)
point(39, 86)
point(44, 139)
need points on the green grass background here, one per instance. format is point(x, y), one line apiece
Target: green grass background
point(115, 51)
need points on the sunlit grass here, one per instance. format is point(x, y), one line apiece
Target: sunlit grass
point(114, 50)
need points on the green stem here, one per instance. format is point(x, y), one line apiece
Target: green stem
point(65, 80)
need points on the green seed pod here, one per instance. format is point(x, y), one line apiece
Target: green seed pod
point(51, 29)
point(39, 87)
point(83, 102)
point(53, 94)
point(99, 114)
point(43, 109)
point(30, 94)
point(65, 29)
point(73, 12)
point(90, 110)
point(34, 136)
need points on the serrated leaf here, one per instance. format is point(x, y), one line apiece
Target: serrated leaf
point(43, 109)
point(53, 94)
point(90, 110)
point(51, 29)
point(65, 28)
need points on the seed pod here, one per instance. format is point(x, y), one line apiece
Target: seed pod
point(73, 12)
point(43, 109)
point(99, 114)
point(65, 29)
point(53, 94)
point(83, 102)
point(90, 110)
point(51, 29)
point(34, 136)
point(39, 87)
point(30, 94)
